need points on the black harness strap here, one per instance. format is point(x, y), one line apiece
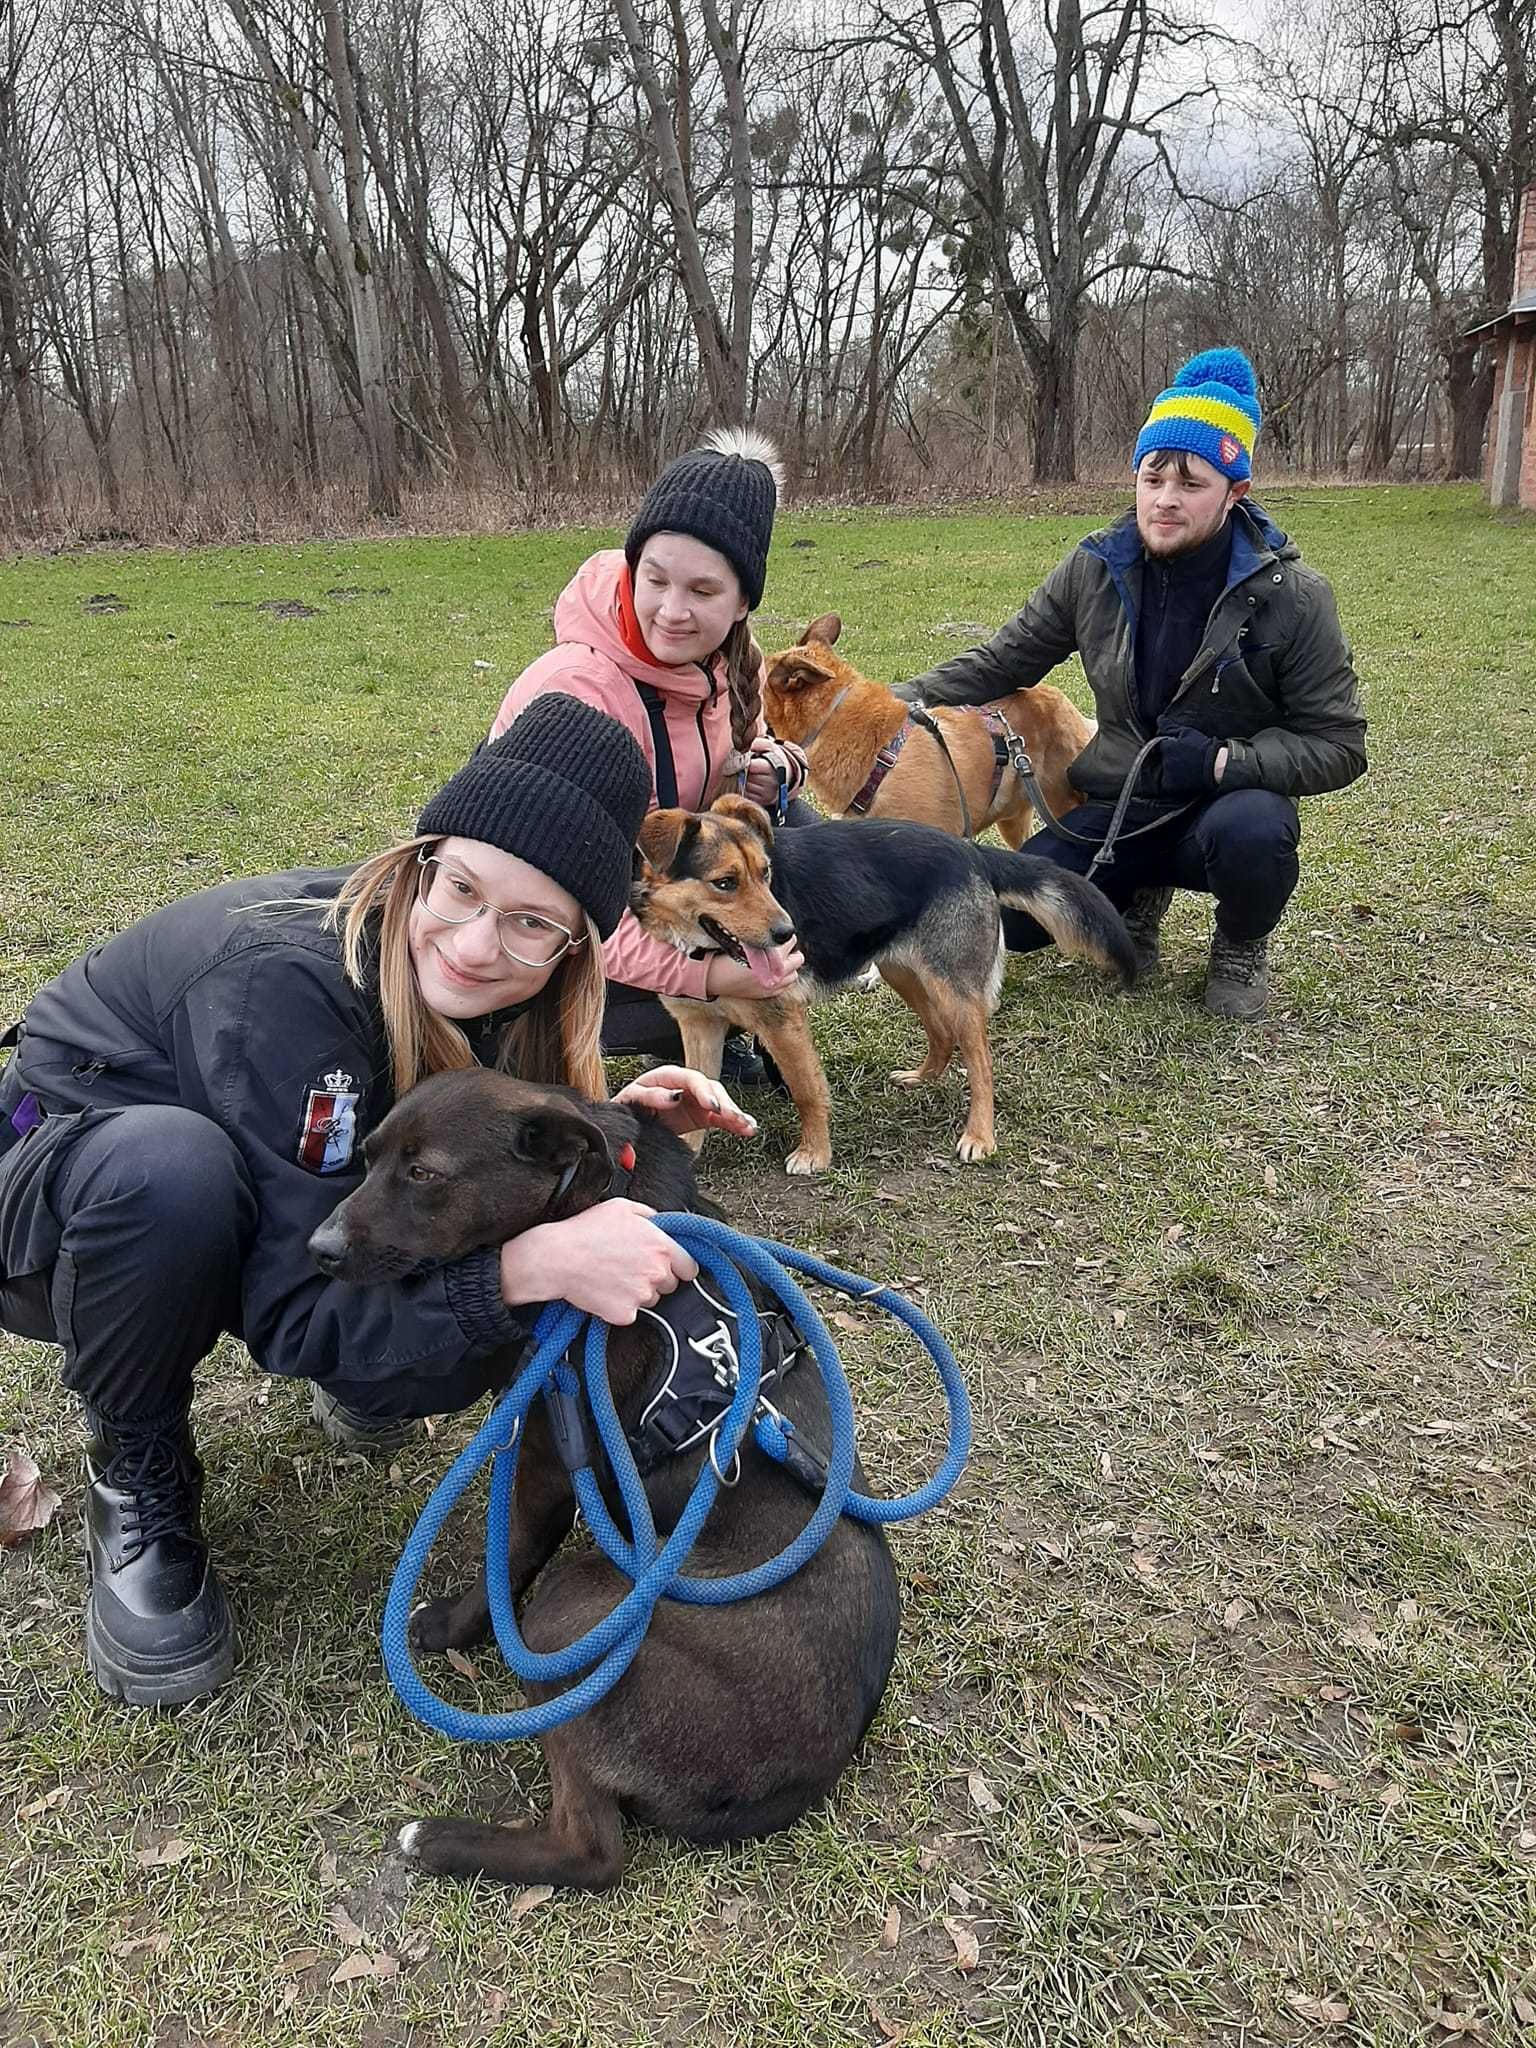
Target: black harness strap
point(666, 768)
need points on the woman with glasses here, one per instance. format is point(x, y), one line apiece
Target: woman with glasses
point(189, 1101)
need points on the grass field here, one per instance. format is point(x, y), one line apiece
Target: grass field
point(1214, 1716)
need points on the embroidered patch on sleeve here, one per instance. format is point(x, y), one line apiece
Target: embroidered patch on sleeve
point(328, 1131)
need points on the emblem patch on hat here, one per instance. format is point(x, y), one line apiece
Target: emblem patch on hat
point(1230, 447)
point(328, 1132)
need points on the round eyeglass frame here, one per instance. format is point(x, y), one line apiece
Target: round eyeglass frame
point(427, 862)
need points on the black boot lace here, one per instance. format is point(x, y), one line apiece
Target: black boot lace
point(156, 1470)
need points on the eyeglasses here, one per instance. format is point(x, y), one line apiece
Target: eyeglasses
point(524, 936)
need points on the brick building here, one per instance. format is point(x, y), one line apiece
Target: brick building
point(1510, 471)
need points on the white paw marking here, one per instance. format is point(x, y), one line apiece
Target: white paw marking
point(405, 1841)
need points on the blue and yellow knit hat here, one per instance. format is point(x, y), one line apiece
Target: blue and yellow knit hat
point(1211, 409)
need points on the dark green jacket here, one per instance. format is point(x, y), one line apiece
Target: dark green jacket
point(1272, 676)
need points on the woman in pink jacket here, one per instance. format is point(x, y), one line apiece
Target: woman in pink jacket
point(656, 635)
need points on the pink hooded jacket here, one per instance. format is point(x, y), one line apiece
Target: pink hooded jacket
point(591, 660)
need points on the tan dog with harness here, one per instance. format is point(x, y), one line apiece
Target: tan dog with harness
point(962, 774)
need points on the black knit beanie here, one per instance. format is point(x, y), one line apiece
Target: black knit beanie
point(565, 788)
point(723, 494)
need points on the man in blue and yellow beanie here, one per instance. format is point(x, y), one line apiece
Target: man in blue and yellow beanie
point(1220, 675)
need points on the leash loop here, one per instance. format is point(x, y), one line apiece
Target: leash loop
point(591, 1665)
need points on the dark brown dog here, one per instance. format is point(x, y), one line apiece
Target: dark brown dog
point(731, 1722)
point(843, 719)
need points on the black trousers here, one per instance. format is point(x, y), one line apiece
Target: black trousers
point(122, 1238)
point(1239, 848)
point(634, 1020)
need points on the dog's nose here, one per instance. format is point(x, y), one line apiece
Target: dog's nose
point(328, 1247)
point(781, 934)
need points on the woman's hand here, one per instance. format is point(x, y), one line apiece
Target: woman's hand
point(686, 1101)
point(776, 968)
point(610, 1261)
point(767, 770)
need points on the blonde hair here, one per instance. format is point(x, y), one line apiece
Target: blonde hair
point(556, 1039)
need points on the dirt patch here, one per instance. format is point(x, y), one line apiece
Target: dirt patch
point(287, 608)
point(106, 601)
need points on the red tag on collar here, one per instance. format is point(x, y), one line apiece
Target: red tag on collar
point(626, 1158)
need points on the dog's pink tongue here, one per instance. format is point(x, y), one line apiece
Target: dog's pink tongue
point(764, 965)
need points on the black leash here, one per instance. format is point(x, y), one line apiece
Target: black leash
point(921, 715)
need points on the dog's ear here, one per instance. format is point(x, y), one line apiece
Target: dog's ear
point(747, 813)
point(563, 1141)
point(825, 629)
point(790, 671)
point(664, 837)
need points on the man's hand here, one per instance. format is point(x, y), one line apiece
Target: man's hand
point(687, 1101)
point(1188, 761)
point(611, 1261)
point(909, 693)
point(776, 968)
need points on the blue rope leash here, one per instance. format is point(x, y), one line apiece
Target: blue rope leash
point(596, 1660)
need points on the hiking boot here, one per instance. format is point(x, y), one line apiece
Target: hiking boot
point(158, 1629)
point(741, 1063)
point(1144, 916)
point(1237, 980)
point(374, 1435)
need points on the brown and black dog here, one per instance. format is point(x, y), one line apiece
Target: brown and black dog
point(843, 720)
point(920, 905)
point(730, 1722)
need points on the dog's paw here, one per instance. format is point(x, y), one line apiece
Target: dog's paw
point(809, 1159)
point(971, 1149)
point(406, 1840)
point(452, 1623)
point(911, 1077)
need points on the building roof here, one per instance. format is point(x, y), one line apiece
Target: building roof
point(1521, 307)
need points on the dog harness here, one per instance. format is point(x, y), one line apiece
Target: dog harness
point(998, 731)
point(696, 1383)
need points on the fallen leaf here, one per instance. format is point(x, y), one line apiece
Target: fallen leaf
point(157, 1944)
point(174, 1851)
point(27, 1504)
point(1234, 1612)
point(1325, 1781)
point(301, 1959)
point(1106, 1465)
point(1271, 1181)
point(1465, 2026)
point(1138, 1823)
point(960, 1895)
point(525, 1902)
point(967, 1947)
point(1173, 1233)
point(926, 1857)
point(982, 1796)
point(49, 1803)
point(347, 1927)
point(1144, 1564)
point(1392, 1797)
point(844, 1321)
point(1407, 1610)
point(1525, 2010)
point(1324, 2012)
point(356, 1966)
point(465, 1666)
point(889, 2031)
point(890, 1932)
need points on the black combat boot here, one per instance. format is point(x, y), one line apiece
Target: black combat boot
point(350, 1430)
point(158, 1629)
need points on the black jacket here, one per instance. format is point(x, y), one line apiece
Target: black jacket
point(1272, 675)
point(245, 1016)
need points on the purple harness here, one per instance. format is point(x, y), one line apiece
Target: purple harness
point(998, 730)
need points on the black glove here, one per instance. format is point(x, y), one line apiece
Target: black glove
point(1187, 761)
